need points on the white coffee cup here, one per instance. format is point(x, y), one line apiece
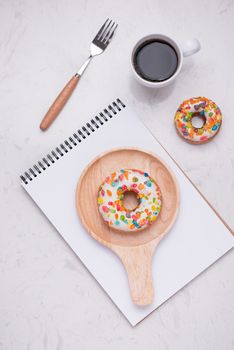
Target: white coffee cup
point(188, 48)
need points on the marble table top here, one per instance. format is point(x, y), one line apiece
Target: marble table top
point(48, 298)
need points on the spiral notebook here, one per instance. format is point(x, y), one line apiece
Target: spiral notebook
point(185, 251)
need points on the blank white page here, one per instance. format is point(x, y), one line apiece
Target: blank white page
point(185, 251)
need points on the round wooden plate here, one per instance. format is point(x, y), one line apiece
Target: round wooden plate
point(135, 249)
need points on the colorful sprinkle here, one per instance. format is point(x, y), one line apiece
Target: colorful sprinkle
point(100, 200)
point(109, 193)
point(105, 209)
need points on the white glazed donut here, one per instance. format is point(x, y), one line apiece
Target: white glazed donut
point(110, 200)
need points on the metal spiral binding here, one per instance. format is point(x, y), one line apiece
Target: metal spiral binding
point(95, 123)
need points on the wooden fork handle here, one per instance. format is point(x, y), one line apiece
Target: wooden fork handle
point(59, 103)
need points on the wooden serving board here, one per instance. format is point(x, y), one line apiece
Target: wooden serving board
point(135, 249)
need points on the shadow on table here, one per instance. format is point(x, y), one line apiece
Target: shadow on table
point(150, 95)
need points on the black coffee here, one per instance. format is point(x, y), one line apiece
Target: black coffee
point(155, 60)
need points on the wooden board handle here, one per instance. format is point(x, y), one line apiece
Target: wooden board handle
point(59, 103)
point(138, 264)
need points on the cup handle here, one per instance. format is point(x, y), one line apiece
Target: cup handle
point(190, 47)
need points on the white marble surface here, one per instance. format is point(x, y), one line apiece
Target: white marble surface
point(48, 300)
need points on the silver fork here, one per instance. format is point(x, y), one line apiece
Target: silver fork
point(98, 46)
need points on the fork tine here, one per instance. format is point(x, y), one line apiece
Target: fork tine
point(111, 35)
point(101, 29)
point(103, 35)
point(107, 34)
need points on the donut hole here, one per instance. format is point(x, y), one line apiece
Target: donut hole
point(130, 200)
point(198, 120)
